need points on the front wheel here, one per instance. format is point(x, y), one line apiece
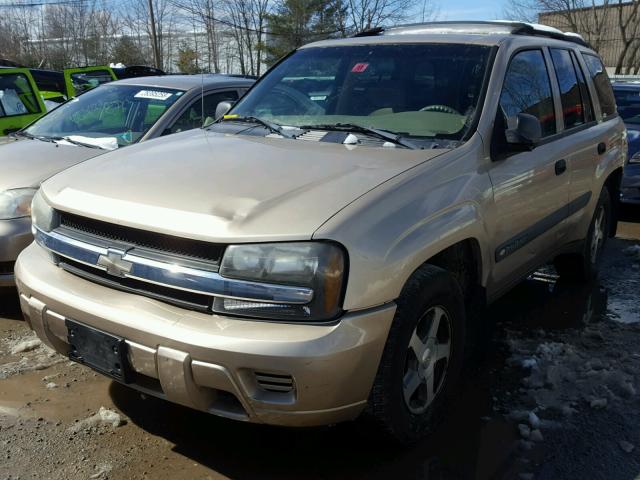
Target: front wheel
point(584, 266)
point(423, 355)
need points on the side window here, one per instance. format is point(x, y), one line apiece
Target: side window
point(195, 117)
point(589, 115)
point(83, 81)
point(602, 84)
point(570, 96)
point(16, 96)
point(527, 89)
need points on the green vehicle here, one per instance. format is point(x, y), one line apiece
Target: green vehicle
point(79, 80)
point(22, 102)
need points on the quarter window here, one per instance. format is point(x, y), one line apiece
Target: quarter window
point(572, 109)
point(527, 89)
point(602, 84)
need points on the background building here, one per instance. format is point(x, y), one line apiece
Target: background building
point(613, 29)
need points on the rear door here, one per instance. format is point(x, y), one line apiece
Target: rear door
point(607, 141)
point(78, 80)
point(20, 100)
point(530, 188)
point(579, 146)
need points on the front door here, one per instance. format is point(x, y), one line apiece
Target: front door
point(530, 188)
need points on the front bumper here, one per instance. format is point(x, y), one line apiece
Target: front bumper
point(226, 366)
point(15, 236)
point(630, 190)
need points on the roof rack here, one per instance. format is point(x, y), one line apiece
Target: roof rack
point(504, 27)
point(372, 32)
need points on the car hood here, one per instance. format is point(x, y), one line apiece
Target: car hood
point(26, 163)
point(222, 188)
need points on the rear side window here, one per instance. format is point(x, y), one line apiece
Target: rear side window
point(527, 89)
point(584, 90)
point(16, 96)
point(83, 81)
point(602, 84)
point(570, 97)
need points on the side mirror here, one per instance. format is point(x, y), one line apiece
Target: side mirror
point(222, 109)
point(527, 133)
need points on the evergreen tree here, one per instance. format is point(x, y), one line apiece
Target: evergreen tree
point(297, 22)
point(127, 52)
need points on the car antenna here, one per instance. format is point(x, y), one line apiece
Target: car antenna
point(202, 119)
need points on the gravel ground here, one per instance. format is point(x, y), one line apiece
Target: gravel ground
point(551, 393)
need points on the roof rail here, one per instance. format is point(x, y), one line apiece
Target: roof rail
point(505, 27)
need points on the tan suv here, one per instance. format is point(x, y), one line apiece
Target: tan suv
point(322, 249)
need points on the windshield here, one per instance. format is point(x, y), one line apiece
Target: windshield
point(628, 101)
point(123, 112)
point(423, 90)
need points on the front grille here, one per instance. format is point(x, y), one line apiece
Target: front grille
point(6, 268)
point(180, 298)
point(275, 383)
point(159, 242)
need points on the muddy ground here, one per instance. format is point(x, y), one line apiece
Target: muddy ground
point(552, 392)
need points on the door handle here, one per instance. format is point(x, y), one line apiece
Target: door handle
point(561, 167)
point(602, 147)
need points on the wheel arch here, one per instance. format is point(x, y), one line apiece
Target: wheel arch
point(380, 269)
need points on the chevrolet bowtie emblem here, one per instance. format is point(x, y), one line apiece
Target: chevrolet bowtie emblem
point(114, 264)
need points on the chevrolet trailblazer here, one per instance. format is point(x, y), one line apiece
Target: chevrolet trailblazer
point(319, 252)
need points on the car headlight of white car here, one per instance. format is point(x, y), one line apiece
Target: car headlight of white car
point(16, 203)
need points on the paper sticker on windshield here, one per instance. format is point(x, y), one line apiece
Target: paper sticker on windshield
point(359, 67)
point(153, 94)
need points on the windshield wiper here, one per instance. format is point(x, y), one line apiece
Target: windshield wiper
point(273, 127)
point(76, 142)
point(33, 137)
point(376, 132)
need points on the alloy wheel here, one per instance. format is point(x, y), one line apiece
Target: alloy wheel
point(427, 359)
point(597, 237)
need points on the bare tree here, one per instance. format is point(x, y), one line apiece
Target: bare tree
point(203, 14)
point(247, 20)
point(588, 17)
point(604, 24)
point(627, 16)
point(367, 14)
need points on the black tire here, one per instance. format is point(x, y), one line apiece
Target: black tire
point(429, 287)
point(584, 266)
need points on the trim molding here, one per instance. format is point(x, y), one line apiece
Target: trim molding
point(547, 223)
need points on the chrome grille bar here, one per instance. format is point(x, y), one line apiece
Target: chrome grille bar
point(170, 274)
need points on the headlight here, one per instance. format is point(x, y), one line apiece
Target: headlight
point(16, 203)
point(315, 265)
point(42, 215)
point(635, 158)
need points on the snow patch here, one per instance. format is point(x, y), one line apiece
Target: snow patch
point(103, 417)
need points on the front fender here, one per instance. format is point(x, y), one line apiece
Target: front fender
point(400, 225)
